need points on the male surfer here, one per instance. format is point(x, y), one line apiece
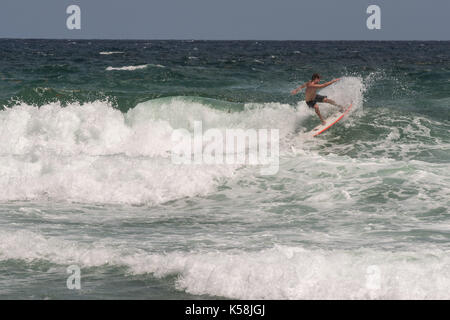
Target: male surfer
point(312, 98)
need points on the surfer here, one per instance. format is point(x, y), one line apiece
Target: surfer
point(312, 98)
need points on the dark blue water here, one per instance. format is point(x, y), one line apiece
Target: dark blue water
point(238, 71)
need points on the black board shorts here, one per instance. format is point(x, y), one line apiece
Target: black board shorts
point(317, 98)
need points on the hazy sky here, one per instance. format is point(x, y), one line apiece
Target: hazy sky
point(227, 19)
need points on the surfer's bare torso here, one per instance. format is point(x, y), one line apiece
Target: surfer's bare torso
point(311, 96)
point(310, 92)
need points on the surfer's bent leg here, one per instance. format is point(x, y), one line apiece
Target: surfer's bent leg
point(316, 107)
point(341, 108)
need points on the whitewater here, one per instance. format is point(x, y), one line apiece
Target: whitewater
point(87, 179)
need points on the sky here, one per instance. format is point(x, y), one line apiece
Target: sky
point(227, 19)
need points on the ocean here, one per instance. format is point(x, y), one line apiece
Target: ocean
point(87, 178)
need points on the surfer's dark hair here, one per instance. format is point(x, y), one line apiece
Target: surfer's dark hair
point(315, 76)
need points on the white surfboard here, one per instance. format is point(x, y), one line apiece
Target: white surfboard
point(329, 122)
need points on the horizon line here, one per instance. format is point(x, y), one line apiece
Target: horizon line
point(175, 39)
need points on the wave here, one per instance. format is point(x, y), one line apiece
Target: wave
point(132, 68)
point(281, 272)
point(156, 65)
point(127, 68)
point(95, 153)
point(110, 52)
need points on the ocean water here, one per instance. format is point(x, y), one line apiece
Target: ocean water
point(86, 176)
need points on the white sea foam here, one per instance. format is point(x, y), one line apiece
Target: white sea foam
point(378, 223)
point(156, 65)
point(347, 90)
point(95, 153)
point(110, 52)
point(127, 68)
point(281, 272)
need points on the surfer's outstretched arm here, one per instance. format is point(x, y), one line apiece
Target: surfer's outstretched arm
point(323, 85)
point(295, 91)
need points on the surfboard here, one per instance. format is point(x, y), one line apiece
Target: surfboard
point(331, 121)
